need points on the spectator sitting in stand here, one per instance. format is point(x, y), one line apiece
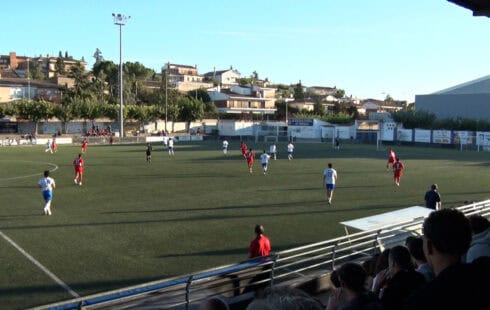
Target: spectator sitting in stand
point(447, 237)
point(352, 279)
point(415, 246)
point(381, 266)
point(480, 242)
point(400, 281)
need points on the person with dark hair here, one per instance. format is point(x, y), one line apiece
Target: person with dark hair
point(398, 167)
point(214, 303)
point(352, 278)
point(329, 181)
point(261, 245)
point(78, 164)
point(447, 237)
point(369, 266)
point(400, 281)
point(47, 186)
point(416, 248)
point(250, 156)
point(380, 266)
point(334, 278)
point(480, 242)
point(149, 149)
point(433, 198)
point(264, 158)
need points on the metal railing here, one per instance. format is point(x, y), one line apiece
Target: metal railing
point(245, 277)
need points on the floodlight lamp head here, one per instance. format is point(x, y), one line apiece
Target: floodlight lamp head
point(120, 19)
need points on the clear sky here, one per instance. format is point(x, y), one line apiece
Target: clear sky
point(369, 48)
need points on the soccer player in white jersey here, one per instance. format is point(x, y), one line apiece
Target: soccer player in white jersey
point(290, 150)
point(273, 151)
point(264, 158)
point(47, 185)
point(48, 147)
point(225, 146)
point(170, 145)
point(329, 180)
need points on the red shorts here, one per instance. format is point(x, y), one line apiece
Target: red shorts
point(79, 170)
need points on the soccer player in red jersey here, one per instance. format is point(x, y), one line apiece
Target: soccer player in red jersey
point(261, 245)
point(398, 167)
point(78, 164)
point(250, 159)
point(391, 159)
point(244, 148)
point(54, 146)
point(84, 145)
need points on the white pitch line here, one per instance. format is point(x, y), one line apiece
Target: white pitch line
point(55, 167)
point(40, 266)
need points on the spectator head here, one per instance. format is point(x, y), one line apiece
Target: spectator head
point(46, 173)
point(478, 223)
point(409, 239)
point(446, 232)
point(259, 229)
point(214, 303)
point(416, 248)
point(334, 278)
point(285, 298)
point(353, 277)
point(369, 265)
point(382, 262)
point(400, 259)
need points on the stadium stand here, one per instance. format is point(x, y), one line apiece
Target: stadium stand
point(307, 268)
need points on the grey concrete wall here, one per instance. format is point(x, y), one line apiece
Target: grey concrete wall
point(474, 106)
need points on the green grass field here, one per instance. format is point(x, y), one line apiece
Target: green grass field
point(133, 222)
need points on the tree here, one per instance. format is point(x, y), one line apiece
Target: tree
point(34, 111)
point(339, 94)
point(65, 113)
point(244, 81)
point(59, 66)
point(190, 110)
point(107, 73)
point(299, 93)
point(318, 107)
point(98, 56)
point(35, 72)
point(388, 98)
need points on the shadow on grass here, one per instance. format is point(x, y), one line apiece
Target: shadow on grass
point(45, 290)
point(326, 210)
point(228, 252)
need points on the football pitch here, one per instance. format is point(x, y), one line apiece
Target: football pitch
point(133, 222)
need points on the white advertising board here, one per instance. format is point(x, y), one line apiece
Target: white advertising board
point(388, 131)
point(462, 137)
point(441, 136)
point(422, 135)
point(483, 138)
point(404, 135)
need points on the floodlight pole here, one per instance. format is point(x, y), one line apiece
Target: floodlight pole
point(166, 95)
point(120, 20)
point(28, 81)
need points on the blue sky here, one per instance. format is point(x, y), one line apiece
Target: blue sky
point(369, 48)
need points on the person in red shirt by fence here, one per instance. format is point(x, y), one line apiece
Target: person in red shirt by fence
point(261, 245)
